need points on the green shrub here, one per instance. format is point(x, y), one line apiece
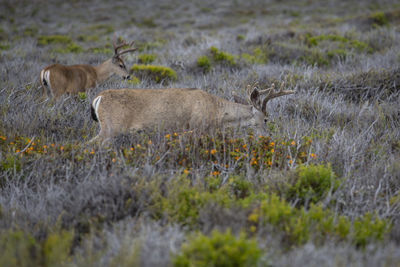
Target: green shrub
point(10, 163)
point(313, 183)
point(369, 228)
point(53, 39)
point(56, 248)
point(258, 57)
point(379, 19)
point(103, 28)
point(342, 42)
point(70, 48)
point(146, 58)
point(21, 249)
point(5, 46)
point(101, 50)
point(240, 37)
point(134, 80)
point(204, 63)
point(222, 57)
point(157, 73)
point(31, 31)
point(18, 249)
point(220, 249)
point(82, 96)
point(336, 53)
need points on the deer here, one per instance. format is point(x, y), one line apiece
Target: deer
point(60, 79)
point(133, 110)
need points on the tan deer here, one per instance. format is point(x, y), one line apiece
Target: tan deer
point(130, 110)
point(59, 79)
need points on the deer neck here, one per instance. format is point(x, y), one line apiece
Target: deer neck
point(103, 71)
point(233, 112)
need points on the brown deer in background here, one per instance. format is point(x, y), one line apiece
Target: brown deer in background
point(130, 110)
point(60, 79)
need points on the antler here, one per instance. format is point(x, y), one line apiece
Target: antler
point(122, 44)
point(255, 95)
point(272, 95)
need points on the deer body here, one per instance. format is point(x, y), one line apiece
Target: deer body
point(59, 79)
point(130, 110)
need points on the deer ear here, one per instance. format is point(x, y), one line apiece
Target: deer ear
point(254, 96)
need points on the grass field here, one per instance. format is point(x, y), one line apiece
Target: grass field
point(320, 188)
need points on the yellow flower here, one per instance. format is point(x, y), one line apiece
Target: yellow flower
point(131, 148)
point(44, 147)
point(91, 152)
point(292, 143)
point(212, 151)
point(244, 146)
point(138, 145)
point(185, 171)
point(61, 148)
point(16, 151)
point(206, 152)
point(52, 145)
point(149, 142)
point(167, 136)
point(236, 158)
point(269, 163)
point(253, 228)
point(175, 134)
point(215, 173)
point(272, 150)
point(113, 160)
point(290, 161)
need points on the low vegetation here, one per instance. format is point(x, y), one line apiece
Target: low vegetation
point(159, 74)
point(320, 187)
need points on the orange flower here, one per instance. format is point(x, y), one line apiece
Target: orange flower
point(61, 148)
point(215, 173)
point(290, 161)
point(272, 150)
point(271, 144)
point(213, 151)
point(292, 143)
point(185, 171)
point(149, 142)
point(269, 163)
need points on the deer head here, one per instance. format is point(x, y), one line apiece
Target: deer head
point(117, 63)
point(260, 98)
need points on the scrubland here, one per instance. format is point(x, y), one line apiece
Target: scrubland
point(319, 188)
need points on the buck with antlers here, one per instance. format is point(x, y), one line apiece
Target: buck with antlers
point(59, 79)
point(130, 110)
